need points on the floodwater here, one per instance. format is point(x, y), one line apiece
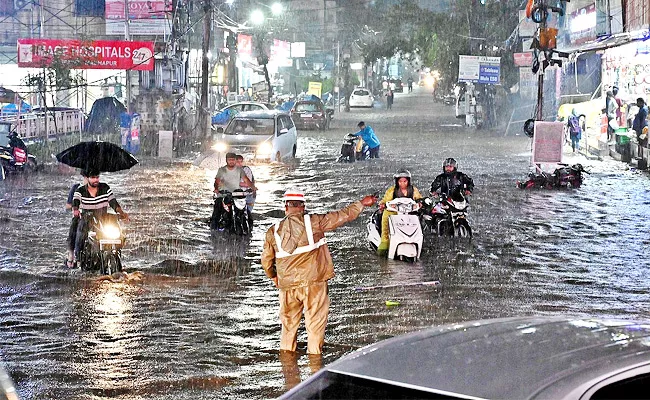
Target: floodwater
point(196, 318)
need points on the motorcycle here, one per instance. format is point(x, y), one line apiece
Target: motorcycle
point(102, 249)
point(564, 177)
point(353, 149)
point(447, 216)
point(405, 232)
point(14, 156)
point(233, 215)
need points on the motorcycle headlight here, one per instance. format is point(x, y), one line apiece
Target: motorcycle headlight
point(221, 147)
point(111, 232)
point(265, 148)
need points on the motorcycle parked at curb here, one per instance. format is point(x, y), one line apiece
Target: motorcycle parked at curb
point(102, 249)
point(564, 177)
point(353, 149)
point(447, 216)
point(14, 156)
point(405, 232)
point(234, 216)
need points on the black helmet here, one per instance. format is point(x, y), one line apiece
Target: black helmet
point(449, 161)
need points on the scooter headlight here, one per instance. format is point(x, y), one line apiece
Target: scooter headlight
point(265, 148)
point(221, 147)
point(111, 231)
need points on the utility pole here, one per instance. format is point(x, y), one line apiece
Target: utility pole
point(127, 37)
point(205, 65)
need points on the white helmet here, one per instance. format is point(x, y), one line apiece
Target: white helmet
point(293, 194)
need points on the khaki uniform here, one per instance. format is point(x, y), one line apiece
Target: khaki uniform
point(388, 196)
point(296, 253)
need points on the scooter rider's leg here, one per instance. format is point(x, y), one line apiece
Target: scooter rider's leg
point(216, 214)
point(382, 250)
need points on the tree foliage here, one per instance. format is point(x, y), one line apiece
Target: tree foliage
point(438, 38)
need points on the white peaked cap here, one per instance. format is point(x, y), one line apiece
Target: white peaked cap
point(293, 194)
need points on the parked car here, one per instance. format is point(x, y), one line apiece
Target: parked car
point(311, 114)
point(361, 97)
point(223, 116)
point(267, 134)
point(510, 358)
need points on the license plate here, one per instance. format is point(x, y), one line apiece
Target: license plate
point(110, 241)
point(306, 115)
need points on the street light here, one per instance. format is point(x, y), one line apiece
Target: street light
point(276, 9)
point(257, 17)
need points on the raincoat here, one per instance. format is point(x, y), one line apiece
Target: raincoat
point(388, 196)
point(306, 268)
point(303, 265)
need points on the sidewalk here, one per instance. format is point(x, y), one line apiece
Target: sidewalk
point(594, 146)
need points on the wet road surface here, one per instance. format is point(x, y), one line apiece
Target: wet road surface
point(197, 318)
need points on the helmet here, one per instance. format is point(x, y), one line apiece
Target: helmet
point(449, 161)
point(402, 173)
point(293, 194)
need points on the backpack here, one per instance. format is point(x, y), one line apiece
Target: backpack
point(574, 125)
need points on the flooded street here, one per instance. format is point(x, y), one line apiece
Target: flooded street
point(198, 319)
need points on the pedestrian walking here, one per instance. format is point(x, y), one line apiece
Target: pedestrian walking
point(297, 259)
point(610, 110)
point(575, 130)
point(619, 107)
point(640, 122)
point(410, 84)
point(390, 95)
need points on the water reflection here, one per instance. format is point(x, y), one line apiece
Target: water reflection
point(290, 369)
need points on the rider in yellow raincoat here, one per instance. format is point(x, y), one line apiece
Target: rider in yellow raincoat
point(402, 188)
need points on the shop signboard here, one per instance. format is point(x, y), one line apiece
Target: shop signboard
point(315, 88)
point(95, 54)
point(280, 53)
point(297, 49)
point(479, 69)
point(523, 59)
point(582, 25)
point(547, 142)
point(146, 17)
point(527, 84)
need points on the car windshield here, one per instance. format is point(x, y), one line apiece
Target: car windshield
point(251, 126)
point(310, 107)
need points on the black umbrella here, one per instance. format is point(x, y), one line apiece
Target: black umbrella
point(97, 156)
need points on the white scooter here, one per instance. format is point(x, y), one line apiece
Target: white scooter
point(405, 232)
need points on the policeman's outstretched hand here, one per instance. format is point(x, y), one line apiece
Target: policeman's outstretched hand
point(368, 200)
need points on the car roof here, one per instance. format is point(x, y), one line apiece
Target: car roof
point(260, 114)
point(526, 357)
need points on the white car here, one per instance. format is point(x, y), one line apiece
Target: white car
point(264, 134)
point(223, 116)
point(361, 98)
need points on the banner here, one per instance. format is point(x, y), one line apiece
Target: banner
point(138, 9)
point(96, 54)
point(523, 59)
point(547, 142)
point(146, 17)
point(245, 44)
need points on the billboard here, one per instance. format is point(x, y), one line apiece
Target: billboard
point(77, 54)
point(479, 69)
point(145, 17)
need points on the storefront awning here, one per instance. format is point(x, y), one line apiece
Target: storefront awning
point(607, 42)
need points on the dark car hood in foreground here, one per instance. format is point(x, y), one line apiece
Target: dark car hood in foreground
point(514, 358)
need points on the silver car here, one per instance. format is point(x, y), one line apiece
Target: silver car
point(264, 134)
point(511, 358)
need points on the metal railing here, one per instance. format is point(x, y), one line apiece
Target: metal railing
point(41, 125)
